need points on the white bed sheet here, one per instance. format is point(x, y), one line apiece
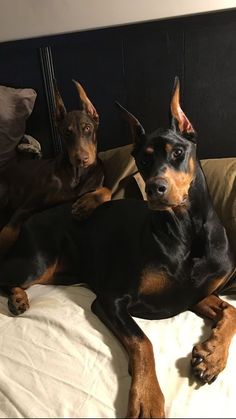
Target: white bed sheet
point(59, 360)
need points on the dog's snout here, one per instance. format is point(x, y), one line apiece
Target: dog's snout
point(161, 187)
point(82, 159)
point(157, 188)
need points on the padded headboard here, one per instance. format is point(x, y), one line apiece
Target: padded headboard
point(135, 64)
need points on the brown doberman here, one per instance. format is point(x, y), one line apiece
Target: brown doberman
point(28, 186)
point(151, 259)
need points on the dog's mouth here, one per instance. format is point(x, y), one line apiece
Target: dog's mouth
point(165, 204)
point(77, 173)
point(79, 169)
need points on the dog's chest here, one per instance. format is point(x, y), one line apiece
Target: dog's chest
point(160, 296)
point(164, 285)
point(153, 281)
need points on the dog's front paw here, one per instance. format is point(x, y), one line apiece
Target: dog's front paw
point(209, 359)
point(84, 206)
point(18, 301)
point(146, 401)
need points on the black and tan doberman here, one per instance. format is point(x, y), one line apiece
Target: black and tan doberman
point(150, 259)
point(28, 186)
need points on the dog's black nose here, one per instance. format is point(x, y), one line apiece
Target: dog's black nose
point(157, 188)
point(161, 186)
point(80, 160)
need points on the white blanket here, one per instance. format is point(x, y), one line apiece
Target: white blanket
point(59, 360)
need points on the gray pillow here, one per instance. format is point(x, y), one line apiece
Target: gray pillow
point(16, 106)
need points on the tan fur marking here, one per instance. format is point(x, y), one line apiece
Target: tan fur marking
point(153, 282)
point(217, 283)
point(141, 352)
point(168, 148)
point(45, 278)
point(179, 182)
point(213, 352)
point(149, 150)
point(145, 397)
point(8, 237)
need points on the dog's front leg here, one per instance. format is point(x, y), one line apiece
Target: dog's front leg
point(145, 398)
point(86, 204)
point(209, 357)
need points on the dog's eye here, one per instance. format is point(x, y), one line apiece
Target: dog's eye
point(177, 152)
point(87, 129)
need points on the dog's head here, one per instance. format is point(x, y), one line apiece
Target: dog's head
point(166, 159)
point(78, 129)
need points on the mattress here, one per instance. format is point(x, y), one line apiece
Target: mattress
point(59, 360)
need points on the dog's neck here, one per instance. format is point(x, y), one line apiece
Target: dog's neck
point(195, 212)
point(199, 196)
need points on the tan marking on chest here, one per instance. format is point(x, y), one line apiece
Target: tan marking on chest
point(153, 281)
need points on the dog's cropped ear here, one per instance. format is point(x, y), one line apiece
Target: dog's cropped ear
point(180, 122)
point(138, 131)
point(86, 103)
point(60, 110)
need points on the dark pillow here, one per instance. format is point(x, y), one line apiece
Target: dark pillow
point(16, 106)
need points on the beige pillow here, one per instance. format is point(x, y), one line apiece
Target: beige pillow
point(119, 168)
point(16, 106)
point(122, 177)
point(221, 179)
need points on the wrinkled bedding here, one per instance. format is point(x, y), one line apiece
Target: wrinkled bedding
point(59, 360)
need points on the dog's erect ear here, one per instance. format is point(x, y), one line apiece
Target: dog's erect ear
point(137, 129)
point(179, 119)
point(60, 111)
point(86, 103)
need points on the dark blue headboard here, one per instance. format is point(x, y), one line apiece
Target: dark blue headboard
point(135, 64)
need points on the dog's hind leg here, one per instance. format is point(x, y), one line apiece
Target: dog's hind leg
point(145, 398)
point(209, 357)
point(10, 232)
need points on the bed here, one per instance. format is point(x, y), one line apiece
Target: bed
point(58, 359)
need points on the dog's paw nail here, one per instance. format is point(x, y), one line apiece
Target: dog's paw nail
point(211, 380)
point(199, 374)
point(196, 360)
